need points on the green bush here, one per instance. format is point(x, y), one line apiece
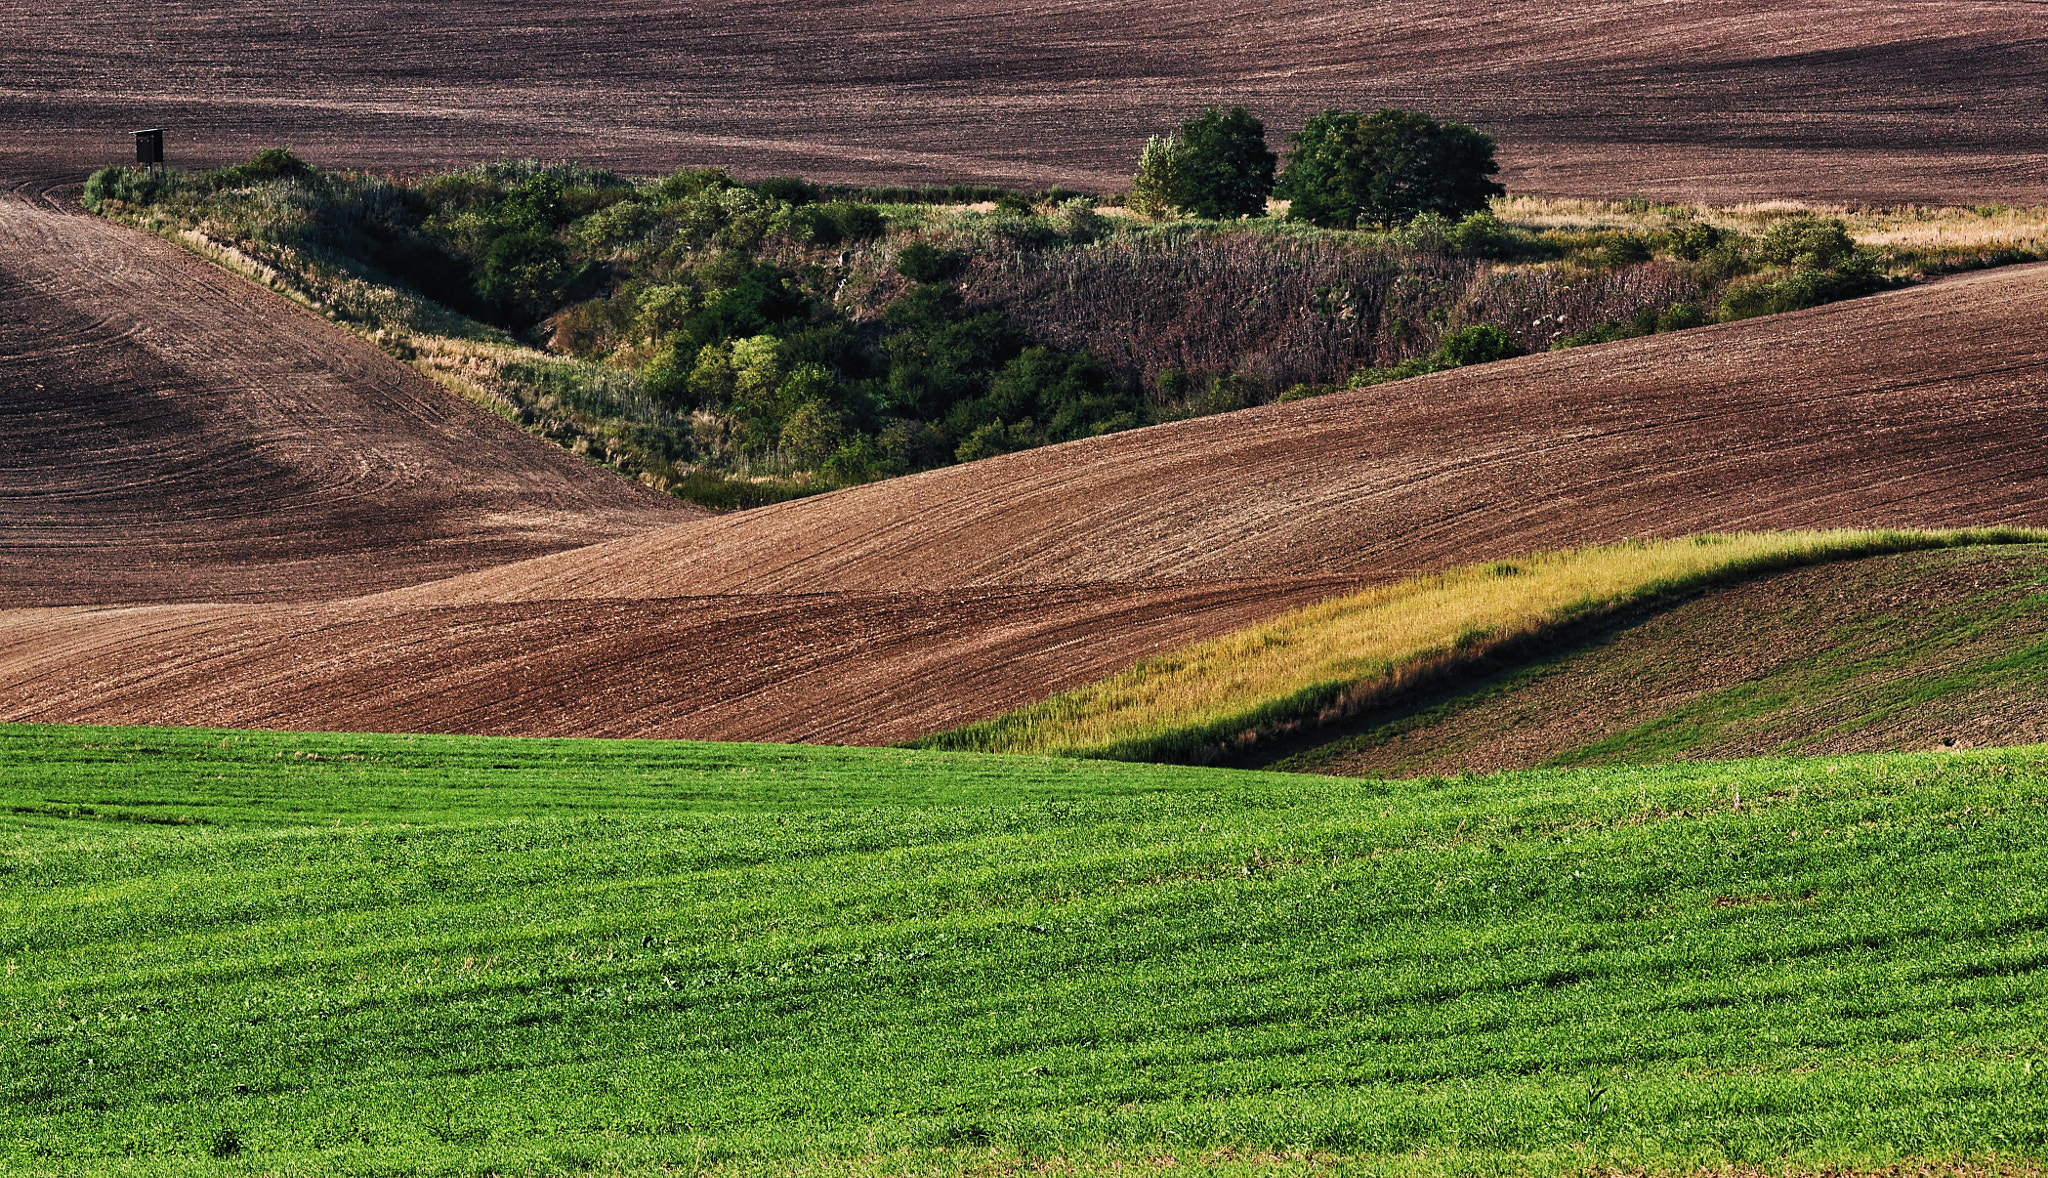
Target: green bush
point(1155, 190)
point(1384, 168)
point(524, 274)
point(1773, 296)
point(922, 262)
point(1807, 243)
point(1695, 240)
point(1623, 249)
point(855, 222)
point(1481, 343)
point(787, 189)
point(1481, 235)
point(126, 186)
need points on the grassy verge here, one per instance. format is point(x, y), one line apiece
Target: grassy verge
point(1327, 662)
point(288, 953)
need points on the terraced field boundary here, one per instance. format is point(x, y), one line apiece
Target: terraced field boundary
point(1331, 662)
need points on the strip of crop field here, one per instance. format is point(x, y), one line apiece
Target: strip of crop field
point(235, 952)
point(1327, 661)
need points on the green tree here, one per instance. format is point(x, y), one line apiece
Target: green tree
point(1225, 168)
point(523, 275)
point(1155, 190)
point(1385, 168)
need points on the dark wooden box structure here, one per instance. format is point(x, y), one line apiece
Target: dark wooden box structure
point(149, 146)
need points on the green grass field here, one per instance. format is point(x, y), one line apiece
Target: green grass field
point(286, 953)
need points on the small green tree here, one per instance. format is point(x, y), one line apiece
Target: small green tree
point(1155, 190)
point(1226, 169)
point(1385, 168)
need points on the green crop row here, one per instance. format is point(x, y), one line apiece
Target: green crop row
point(289, 953)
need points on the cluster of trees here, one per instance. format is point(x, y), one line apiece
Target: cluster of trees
point(682, 279)
point(1346, 169)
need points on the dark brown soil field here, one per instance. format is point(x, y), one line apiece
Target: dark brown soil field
point(170, 432)
point(1883, 101)
point(1922, 650)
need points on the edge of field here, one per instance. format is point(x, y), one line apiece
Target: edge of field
point(1330, 663)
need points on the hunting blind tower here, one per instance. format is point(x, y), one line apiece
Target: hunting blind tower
point(149, 148)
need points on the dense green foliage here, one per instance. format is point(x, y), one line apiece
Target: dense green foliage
point(1386, 168)
point(720, 293)
point(284, 953)
point(1216, 167)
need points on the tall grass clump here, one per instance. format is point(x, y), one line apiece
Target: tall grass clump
point(1330, 661)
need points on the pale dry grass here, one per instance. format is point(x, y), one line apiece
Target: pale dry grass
point(1309, 662)
point(1928, 227)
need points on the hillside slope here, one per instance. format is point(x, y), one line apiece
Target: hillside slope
point(171, 432)
point(1922, 408)
point(1919, 650)
point(1878, 100)
point(886, 611)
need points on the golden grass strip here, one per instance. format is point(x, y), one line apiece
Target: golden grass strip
point(1326, 661)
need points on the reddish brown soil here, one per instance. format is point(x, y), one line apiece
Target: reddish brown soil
point(1882, 100)
point(889, 610)
point(1927, 407)
point(169, 432)
point(843, 668)
point(1922, 650)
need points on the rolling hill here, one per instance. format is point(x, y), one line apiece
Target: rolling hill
point(176, 433)
point(886, 611)
point(1943, 649)
point(1880, 100)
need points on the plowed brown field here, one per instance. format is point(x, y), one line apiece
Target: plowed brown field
point(170, 432)
point(249, 452)
point(1926, 407)
point(1873, 100)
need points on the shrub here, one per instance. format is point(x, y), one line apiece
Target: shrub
point(855, 222)
point(1695, 240)
point(1772, 296)
point(125, 186)
point(524, 274)
point(1384, 168)
point(787, 189)
point(1682, 316)
point(922, 262)
point(272, 163)
point(1623, 249)
point(1225, 168)
point(814, 433)
point(1807, 242)
point(1481, 343)
point(1481, 235)
point(1078, 222)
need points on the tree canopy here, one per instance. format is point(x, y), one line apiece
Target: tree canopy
point(1349, 168)
point(1216, 166)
